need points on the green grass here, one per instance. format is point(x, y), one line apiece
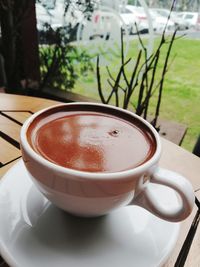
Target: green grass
point(181, 98)
point(181, 95)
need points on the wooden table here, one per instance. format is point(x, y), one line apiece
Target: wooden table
point(14, 110)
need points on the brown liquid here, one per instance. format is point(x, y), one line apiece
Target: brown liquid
point(91, 141)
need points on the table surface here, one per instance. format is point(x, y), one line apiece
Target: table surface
point(15, 109)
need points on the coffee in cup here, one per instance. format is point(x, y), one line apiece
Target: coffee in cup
point(92, 141)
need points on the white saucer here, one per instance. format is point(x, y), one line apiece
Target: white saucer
point(33, 232)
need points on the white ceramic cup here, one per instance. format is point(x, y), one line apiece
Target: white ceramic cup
point(91, 194)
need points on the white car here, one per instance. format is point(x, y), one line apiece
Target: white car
point(180, 23)
point(42, 16)
point(61, 18)
point(160, 22)
point(51, 18)
point(140, 18)
point(192, 19)
point(100, 25)
point(129, 20)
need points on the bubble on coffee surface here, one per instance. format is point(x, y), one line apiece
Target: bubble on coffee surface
point(114, 133)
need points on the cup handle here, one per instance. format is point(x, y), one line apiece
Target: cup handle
point(146, 199)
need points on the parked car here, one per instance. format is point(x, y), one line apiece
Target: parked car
point(44, 25)
point(100, 24)
point(140, 18)
point(54, 23)
point(62, 18)
point(129, 20)
point(176, 17)
point(159, 22)
point(42, 16)
point(192, 19)
point(180, 23)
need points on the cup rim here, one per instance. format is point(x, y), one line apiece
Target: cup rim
point(84, 174)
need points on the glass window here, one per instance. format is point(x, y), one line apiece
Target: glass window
point(189, 16)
